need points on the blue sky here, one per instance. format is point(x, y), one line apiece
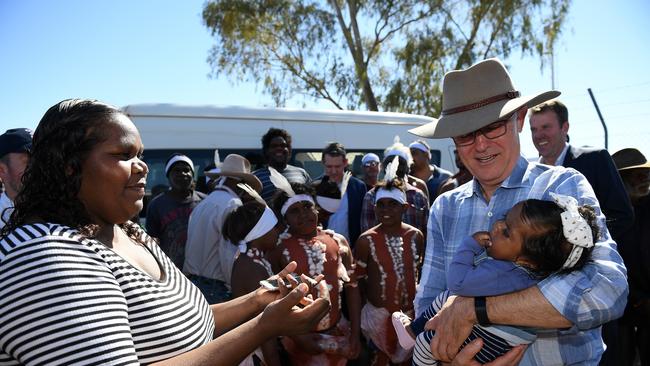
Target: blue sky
point(144, 51)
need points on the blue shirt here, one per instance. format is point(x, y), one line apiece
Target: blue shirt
point(293, 174)
point(473, 273)
point(439, 175)
point(588, 297)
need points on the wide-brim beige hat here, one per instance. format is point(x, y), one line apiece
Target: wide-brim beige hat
point(475, 97)
point(630, 159)
point(237, 166)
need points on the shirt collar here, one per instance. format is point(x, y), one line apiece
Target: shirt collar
point(560, 158)
point(516, 179)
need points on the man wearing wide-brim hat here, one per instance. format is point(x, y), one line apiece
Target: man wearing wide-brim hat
point(208, 256)
point(635, 325)
point(484, 113)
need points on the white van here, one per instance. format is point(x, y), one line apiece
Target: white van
point(198, 130)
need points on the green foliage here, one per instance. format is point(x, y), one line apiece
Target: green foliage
point(376, 54)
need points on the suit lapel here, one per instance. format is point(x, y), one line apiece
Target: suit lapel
point(568, 158)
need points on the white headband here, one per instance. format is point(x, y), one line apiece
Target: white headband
point(576, 229)
point(328, 204)
point(397, 152)
point(294, 199)
point(396, 194)
point(176, 159)
point(265, 224)
point(419, 146)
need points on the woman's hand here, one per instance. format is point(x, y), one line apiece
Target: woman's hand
point(286, 282)
point(285, 317)
point(466, 356)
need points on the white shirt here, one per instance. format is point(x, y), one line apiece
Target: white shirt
point(6, 208)
point(560, 158)
point(207, 253)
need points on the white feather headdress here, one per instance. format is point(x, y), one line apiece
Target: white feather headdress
point(253, 193)
point(280, 182)
point(391, 169)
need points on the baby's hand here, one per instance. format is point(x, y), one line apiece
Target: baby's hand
point(483, 238)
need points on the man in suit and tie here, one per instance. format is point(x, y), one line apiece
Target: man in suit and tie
point(549, 127)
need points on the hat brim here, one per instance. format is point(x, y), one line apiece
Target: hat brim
point(646, 165)
point(465, 122)
point(248, 178)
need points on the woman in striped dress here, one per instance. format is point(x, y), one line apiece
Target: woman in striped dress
point(80, 284)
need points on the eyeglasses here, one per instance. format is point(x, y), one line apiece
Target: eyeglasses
point(491, 131)
point(371, 164)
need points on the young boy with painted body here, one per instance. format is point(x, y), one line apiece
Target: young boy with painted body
point(388, 260)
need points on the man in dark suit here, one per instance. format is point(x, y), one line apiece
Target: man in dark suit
point(549, 127)
point(346, 219)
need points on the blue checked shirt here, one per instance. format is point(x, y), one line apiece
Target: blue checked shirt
point(588, 298)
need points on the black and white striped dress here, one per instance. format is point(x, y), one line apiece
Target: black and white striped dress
point(68, 300)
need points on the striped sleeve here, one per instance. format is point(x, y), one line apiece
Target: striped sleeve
point(60, 303)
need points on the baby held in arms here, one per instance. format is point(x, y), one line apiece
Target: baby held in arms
point(536, 239)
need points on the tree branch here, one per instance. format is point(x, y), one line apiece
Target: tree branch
point(476, 24)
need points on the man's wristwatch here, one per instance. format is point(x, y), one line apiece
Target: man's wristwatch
point(481, 311)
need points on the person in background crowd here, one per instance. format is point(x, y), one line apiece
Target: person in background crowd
point(461, 177)
point(168, 214)
point(635, 324)
point(388, 260)
point(81, 285)
point(417, 212)
point(15, 145)
point(549, 127)
point(276, 148)
point(203, 182)
point(345, 219)
point(423, 169)
point(484, 113)
point(209, 257)
point(371, 167)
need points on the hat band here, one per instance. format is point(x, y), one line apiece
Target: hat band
point(482, 103)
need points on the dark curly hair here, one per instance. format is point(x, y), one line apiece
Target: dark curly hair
point(280, 196)
point(241, 221)
point(64, 138)
point(548, 248)
point(273, 133)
